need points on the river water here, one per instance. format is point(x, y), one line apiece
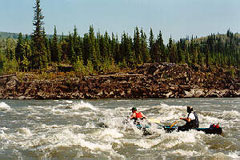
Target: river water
point(94, 129)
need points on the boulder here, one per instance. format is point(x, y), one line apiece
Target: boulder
point(12, 83)
point(188, 94)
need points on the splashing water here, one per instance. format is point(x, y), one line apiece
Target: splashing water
point(97, 129)
point(4, 107)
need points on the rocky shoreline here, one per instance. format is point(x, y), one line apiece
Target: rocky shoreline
point(152, 80)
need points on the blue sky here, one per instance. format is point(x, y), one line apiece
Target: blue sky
point(175, 18)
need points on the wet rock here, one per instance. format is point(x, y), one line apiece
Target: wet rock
point(169, 95)
point(213, 93)
point(12, 83)
point(21, 97)
point(198, 93)
point(188, 94)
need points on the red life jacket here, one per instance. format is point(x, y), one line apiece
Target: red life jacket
point(139, 115)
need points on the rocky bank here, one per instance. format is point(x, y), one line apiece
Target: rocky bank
point(164, 80)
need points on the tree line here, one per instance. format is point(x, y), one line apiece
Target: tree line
point(96, 52)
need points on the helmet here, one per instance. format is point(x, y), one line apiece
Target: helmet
point(189, 109)
point(134, 109)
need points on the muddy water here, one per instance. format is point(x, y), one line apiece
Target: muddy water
point(67, 129)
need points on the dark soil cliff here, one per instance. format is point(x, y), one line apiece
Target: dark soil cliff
point(165, 80)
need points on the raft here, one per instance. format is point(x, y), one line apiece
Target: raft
point(210, 130)
point(205, 130)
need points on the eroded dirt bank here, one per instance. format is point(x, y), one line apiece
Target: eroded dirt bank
point(165, 80)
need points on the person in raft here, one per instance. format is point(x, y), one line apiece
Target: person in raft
point(136, 115)
point(191, 120)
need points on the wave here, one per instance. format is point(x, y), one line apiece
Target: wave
point(234, 155)
point(181, 152)
point(68, 108)
point(4, 107)
point(55, 139)
point(81, 129)
point(68, 101)
point(25, 132)
point(220, 156)
point(109, 133)
point(166, 114)
point(82, 105)
point(231, 114)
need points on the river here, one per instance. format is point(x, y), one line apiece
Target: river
point(94, 129)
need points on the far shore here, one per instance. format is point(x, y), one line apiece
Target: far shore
point(151, 80)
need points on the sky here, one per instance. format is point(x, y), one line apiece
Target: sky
point(174, 18)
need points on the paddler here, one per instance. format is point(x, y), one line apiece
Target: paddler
point(191, 120)
point(136, 115)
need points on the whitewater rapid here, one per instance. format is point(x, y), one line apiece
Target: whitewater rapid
point(65, 129)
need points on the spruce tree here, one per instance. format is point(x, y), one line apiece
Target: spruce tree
point(93, 56)
point(86, 51)
point(77, 44)
point(172, 54)
point(144, 50)
point(161, 47)
point(19, 51)
point(47, 46)
point(108, 46)
point(113, 45)
point(25, 64)
point(117, 50)
point(71, 51)
point(38, 59)
point(136, 45)
point(55, 54)
point(180, 53)
point(27, 47)
point(151, 45)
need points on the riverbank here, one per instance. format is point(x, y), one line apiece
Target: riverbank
point(165, 80)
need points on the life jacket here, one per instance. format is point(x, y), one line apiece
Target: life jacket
point(139, 115)
point(193, 123)
point(196, 119)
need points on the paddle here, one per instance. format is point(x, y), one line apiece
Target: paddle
point(173, 124)
point(154, 120)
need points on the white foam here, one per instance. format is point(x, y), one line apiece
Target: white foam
point(231, 114)
point(234, 155)
point(176, 138)
point(122, 100)
point(57, 111)
point(82, 105)
point(67, 138)
point(113, 122)
point(68, 101)
point(25, 131)
point(171, 107)
point(220, 156)
point(55, 136)
point(168, 114)
point(4, 107)
point(147, 143)
point(89, 138)
point(182, 152)
point(2, 134)
point(209, 120)
point(110, 133)
point(90, 125)
point(4, 128)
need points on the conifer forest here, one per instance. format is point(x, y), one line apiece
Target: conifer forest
point(96, 52)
